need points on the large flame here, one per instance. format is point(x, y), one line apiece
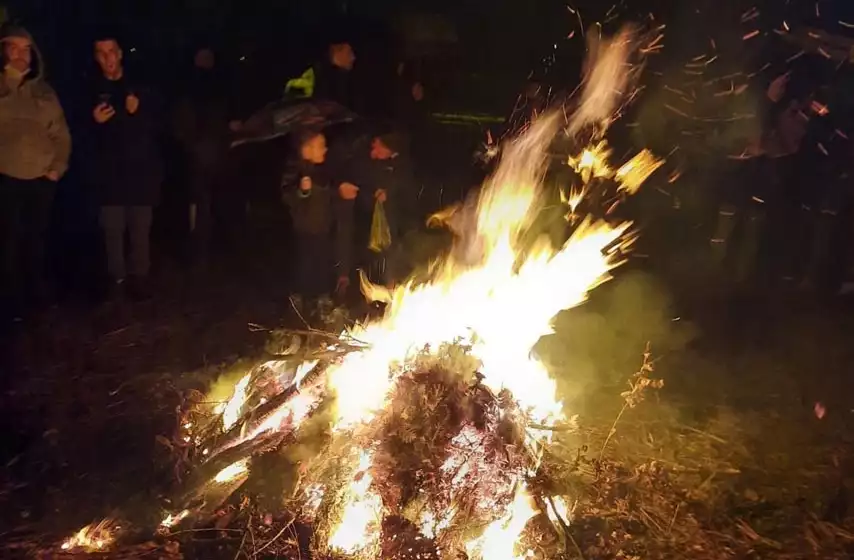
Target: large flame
point(493, 292)
point(497, 292)
point(502, 301)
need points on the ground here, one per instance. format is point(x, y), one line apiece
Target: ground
point(753, 421)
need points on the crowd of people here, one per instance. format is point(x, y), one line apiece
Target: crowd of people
point(336, 184)
point(782, 206)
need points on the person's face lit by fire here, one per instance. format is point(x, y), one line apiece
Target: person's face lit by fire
point(17, 53)
point(314, 149)
point(380, 151)
point(343, 56)
point(108, 55)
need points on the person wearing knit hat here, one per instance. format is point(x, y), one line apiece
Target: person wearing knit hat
point(35, 146)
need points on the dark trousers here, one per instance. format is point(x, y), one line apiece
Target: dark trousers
point(136, 220)
point(25, 212)
point(313, 275)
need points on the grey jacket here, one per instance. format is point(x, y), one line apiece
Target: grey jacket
point(34, 136)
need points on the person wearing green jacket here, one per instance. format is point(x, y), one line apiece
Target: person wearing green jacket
point(34, 149)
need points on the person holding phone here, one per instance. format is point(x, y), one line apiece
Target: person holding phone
point(126, 166)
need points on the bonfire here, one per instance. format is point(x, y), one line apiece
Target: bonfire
point(424, 433)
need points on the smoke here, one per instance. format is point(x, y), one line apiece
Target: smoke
point(600, 344)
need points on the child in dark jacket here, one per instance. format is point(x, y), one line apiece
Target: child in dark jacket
point(314, 199)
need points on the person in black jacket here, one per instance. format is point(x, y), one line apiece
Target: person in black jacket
point(316, 202)
point(126, 165)
point(382, 172)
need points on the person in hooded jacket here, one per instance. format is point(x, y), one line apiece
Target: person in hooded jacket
point(126, 165)
point(34, 149)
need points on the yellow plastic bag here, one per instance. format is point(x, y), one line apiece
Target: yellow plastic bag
point(380, 231)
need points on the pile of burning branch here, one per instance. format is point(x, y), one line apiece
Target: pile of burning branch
point(446, 469)
point(425, 433)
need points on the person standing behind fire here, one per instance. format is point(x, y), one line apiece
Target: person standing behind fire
point(381, 172)
point(126, 166)
point(331, 78)
point(34, 149)
point(315, 200)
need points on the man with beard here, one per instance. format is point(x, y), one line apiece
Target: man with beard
point(34, 149)
point(126, 165)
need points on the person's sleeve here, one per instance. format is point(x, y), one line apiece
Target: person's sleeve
point(60, 137)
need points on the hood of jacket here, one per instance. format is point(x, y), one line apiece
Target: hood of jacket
point(37, 65)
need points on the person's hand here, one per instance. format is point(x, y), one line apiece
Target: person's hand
point(417, 91)
point(235, 126)
point(381, 195)
point(305, 184)
point(103, 112)
point(342, 285)
point(52, 175)
point(132, 104)
point(348, 191)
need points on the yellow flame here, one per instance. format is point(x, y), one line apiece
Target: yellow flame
point(558, 511)
point(498, 297)
point(359, 528)
point(501, 537)
point(637, 170)
point(171, 520)
point(592, 163)
point(575, 198)
point(232, 472)
point(232, 408)
point(92, 538)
